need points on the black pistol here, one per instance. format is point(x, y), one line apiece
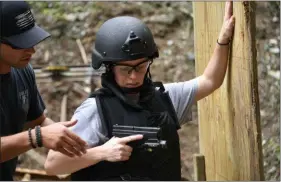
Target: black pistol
point(151, 136)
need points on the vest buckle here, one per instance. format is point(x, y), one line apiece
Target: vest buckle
point(126, 177)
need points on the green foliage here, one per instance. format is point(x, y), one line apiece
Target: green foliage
point(58, 9)
point(54, 9)
point(274, 7)
point(275, 146)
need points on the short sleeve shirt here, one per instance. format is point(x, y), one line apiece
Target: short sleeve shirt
point(20, 102)
point(90, 128)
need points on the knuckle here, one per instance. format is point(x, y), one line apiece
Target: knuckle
point(116, 140)
point(75, 150)
point(64, 129)
point(121, 153)
point(61, 137)
point(125, 158)
point(119, 147)
point(130, 149)
point(66, 146)
point(56, 147)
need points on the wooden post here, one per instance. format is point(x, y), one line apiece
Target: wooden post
point(229, 119)
point(199, 167)
point(63, 115)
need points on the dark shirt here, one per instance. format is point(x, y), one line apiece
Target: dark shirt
point(20, 102)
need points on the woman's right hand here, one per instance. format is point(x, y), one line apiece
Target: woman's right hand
point(116, 149)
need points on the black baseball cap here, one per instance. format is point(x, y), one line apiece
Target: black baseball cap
point(18, 26)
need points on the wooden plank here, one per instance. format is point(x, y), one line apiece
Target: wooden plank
point(229, 119)
point(25, 174)
point(199, 167)
point(63, 111)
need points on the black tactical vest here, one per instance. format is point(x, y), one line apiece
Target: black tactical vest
point(154, 109)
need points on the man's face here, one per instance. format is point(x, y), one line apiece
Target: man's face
point(131, 74)
point(17, 58)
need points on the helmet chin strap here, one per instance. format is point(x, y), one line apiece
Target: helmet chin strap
point(137, 89)
point(131, 90)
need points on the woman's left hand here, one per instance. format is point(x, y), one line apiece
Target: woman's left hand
point(228, 24)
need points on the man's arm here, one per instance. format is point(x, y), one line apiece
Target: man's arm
point(47, 122)
point(14, 145)
point(42, 121)
point(213, 75)
point(55, 136)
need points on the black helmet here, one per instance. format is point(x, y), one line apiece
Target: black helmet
point(121, 39)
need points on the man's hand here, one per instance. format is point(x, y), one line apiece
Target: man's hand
point(116, 149)
point(228, 24)
point(59, 138)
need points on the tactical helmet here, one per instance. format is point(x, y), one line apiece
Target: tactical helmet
point(123, 38)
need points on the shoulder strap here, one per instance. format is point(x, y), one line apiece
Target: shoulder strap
point(101, 91)
point(168, 103)
point(102, 114)
point(160, 85)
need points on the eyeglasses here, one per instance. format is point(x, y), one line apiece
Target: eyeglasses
point(127, 70)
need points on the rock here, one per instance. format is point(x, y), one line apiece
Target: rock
point(70, 17)
point(170, 42)
point(264, 142)
point(274, 50)
point(273, 42)
point(82, 16)
point(274, 74)
point(56, 33)
point(275, 19)
point(272, 170)
point(190, 56)
point(168, 52)
point(163, 19)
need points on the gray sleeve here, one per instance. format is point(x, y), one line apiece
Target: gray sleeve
point(182, 95)
point(89, 126)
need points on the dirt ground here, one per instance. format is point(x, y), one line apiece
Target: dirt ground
point(172, 25)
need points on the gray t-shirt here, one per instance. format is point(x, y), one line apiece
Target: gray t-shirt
point(90, 128)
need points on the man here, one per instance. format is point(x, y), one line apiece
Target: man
point(126, 47)
point(20, 100)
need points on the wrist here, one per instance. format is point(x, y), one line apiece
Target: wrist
point(100, 153)
point(38, 136)
point(222, 44)
point(223, 40)
point(33, 136)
